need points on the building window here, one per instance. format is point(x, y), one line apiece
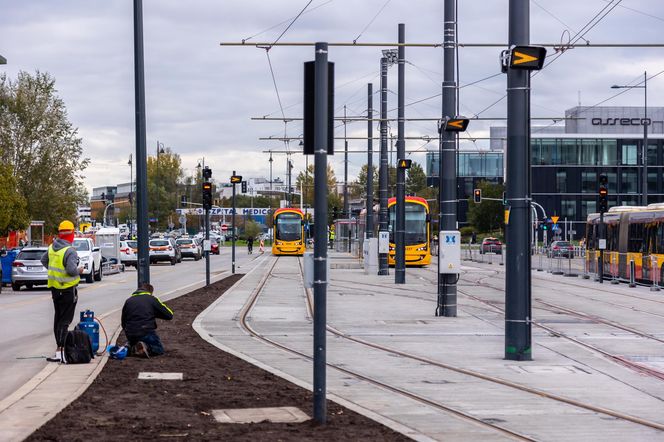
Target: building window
point(652, 182)
point(613, 182)
point(652, 155)
point(629, 154)
point(561, 181)
point(608, 153)
point(588, 207)
point(588, 152)
point(589, 182)
point(568, 209)
point(628, 182)
point(569, 152)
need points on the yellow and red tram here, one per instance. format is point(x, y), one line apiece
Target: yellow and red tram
point(288, 232)
point(417, 227)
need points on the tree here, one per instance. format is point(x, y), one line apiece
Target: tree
point(306, 182)
point(42, 147)
point(164, 181)
point(251, 229)
point(416, 179)
point(488, 215)
point(14, 213)
point(360, 185)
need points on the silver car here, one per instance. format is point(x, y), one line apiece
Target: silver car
point(27, 269)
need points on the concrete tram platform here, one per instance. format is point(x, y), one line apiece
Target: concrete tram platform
point(568, 392)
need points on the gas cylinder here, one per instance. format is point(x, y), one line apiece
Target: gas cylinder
point(89, 326)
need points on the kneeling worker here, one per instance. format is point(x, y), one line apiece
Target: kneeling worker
point(139, 323)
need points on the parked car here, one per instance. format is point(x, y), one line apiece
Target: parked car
point(164, 249)
point(559, 249)
point(27, 269)
point(189, 248)
point(491, 245)
point(90, 258)
point(129, 253)
point(214, 246)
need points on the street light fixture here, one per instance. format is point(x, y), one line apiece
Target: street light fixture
point(644, 148)
point(3, 60)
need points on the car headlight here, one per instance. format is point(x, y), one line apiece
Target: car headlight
point(85, 258)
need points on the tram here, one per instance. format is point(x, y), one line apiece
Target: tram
point(418, 242)
point(288, 232)
point(632, 234)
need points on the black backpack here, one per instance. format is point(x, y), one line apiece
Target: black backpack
point(78, 347)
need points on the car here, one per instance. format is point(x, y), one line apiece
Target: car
point(214, 246)
point(189, 248)
point(491, 245)
point(27, 269)
point(90, 258)
point(128, 252)
point(560, 249)
point(164, 249)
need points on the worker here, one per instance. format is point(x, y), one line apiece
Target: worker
point(139, 315)
point(332, 237)
point(250, 244)
point(62, 263)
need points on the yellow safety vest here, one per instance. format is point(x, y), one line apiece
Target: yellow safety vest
point(58, 277)
point(158, 300)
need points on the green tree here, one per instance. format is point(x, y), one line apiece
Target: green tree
point(359, 187)
point(164, 183)
point(14, 213)
point(251, 229)
point(306, 182)
point(416, 179)
point(488, 215)
point(41, 146)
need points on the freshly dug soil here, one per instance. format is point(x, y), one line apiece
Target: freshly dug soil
point(118, 406)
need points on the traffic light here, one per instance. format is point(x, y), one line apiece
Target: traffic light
point(244, 187)
point(544, 224)
point(183, 199)
point(477, 195)
point(207, 195)
point(207, 173)
point(505, 199)
point(603, 193)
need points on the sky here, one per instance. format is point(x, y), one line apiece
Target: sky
point(200, 96)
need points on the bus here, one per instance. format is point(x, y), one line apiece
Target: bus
point(288, 232)
point(417, 236)
point(633, 233)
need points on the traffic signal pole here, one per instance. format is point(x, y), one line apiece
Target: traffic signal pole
point(370, 191)
point(447, 190)
point(518, 345)
point(141, 152)
point(207, 252)
point(383, 268)
point(233, 231)
point(400, 230)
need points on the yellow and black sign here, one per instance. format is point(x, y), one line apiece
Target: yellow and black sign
point(528, 57)
point(457, 124)
point(405, 164)
point(236, 179)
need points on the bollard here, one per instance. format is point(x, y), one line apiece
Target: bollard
point(539, 268)
point(600, 269)
point(502, 261)
point(586, 264)
point(632, 273)
point(655, 275)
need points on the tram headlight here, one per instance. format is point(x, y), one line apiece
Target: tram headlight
point(391, 248)
point(421, 249)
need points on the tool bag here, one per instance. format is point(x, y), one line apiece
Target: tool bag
point(78, 348)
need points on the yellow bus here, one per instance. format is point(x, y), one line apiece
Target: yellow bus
point(288, 232)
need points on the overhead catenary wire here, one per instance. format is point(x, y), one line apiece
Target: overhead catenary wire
point(371, 21)
point(285, 21)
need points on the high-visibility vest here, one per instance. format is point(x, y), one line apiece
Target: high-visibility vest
point(58, 277)
point(139, 292)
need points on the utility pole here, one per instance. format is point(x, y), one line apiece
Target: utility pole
point(369, 219)
point(320, 226)
point(346, 211)
point(400, 236)
point(383, 268)
point(141, 152)
point(289, 195)
point(233, 229)
point(517, 264)
point(447, 179)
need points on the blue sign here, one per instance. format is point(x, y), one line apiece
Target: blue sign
point(450, 239)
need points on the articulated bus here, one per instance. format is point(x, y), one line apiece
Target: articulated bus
point(632, 234)
point(418, 244)
point(288, 232)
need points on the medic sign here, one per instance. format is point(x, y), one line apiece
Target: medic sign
point(528, 57)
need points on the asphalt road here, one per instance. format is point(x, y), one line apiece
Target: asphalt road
point(26, 317)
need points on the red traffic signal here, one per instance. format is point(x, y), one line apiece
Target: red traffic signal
point(477, 195)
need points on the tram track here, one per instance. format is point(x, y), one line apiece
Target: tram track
point(460, 413)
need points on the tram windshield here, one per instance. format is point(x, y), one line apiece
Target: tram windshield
point(416, 223)
point(289, 227)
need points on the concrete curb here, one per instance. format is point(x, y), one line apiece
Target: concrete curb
point(396, 426)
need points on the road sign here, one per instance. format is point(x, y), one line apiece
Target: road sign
point(182, 219)
point(458, 124)
point(528, 57)
point(405, 164)
point(555, 219)
point(224, 227)
point(236, 179)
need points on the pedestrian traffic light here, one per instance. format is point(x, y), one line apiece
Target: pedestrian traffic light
point(207, 173)
point(244, 187)
point(207, 195)
point(603, 193)
point(544, 224)
point(477, 195)
point(504, 198)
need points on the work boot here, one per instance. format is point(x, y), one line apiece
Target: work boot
point(141, 350)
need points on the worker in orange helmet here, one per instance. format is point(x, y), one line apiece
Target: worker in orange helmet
point(62, 263)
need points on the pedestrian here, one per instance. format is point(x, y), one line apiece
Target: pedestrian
point(139, 321)
point(62, 263)
point(250, 244)
point(332, 237)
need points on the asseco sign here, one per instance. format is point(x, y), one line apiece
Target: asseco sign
point(621, 121)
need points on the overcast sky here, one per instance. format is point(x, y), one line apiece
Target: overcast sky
point(200, 96)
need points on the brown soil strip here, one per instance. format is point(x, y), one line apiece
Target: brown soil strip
point(118, 406)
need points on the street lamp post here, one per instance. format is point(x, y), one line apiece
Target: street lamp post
point(644, 148)
point(130, 163)
point(160, 149)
